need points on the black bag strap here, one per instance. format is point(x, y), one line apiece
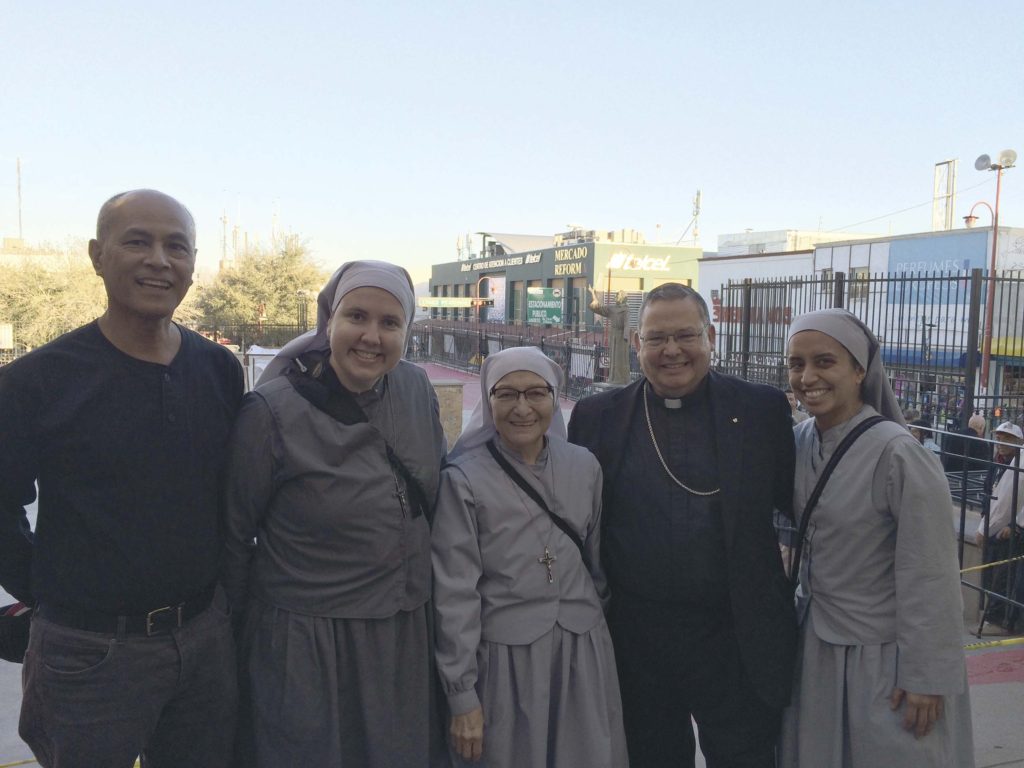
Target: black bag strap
point(530, 491)
point(819, 487)
point(340, 405)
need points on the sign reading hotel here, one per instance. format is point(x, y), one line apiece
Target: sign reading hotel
point(543, 306)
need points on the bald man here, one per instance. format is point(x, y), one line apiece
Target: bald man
point(963, 448)
point(121, 425)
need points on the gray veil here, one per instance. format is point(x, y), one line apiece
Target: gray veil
point(857, 338)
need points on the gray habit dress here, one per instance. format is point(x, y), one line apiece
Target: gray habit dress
point(880, 606)
point(336, 585)
point(535, 654)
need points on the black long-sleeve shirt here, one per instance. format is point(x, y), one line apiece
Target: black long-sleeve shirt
point(127, 455)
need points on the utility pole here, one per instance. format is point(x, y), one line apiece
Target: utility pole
point(696, 218)
point(19, 199)
point(224, 240)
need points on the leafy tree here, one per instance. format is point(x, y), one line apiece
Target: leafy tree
point(275, 278)
point(54, 289)
point(44, 296)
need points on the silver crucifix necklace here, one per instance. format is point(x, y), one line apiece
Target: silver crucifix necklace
point(548, 558)
point(546, 561)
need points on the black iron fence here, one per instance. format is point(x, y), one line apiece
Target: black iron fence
point(980, 479)
point(245, 335)
point(930, 325)
point(931, 328)
point(463, 346)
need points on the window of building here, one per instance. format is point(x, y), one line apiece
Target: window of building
point(515, 303)
point(859, 283)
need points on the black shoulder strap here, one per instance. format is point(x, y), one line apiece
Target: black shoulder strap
point(819, 487)
point(530, 491)
point(340, 405)
point(336, 403)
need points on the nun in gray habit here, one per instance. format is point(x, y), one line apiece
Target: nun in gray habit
point(880, 678)
point(523, 650)
point(331, 476)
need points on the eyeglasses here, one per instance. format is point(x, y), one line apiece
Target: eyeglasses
point(510, 395)
point(682, 338)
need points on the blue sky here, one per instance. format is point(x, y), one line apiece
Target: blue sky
point(387, 129)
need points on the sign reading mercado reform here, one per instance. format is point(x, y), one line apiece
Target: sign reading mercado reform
point(543, 306)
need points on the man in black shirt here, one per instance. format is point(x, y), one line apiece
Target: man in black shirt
point(961, 448)
point(701, 615)
point(122, 425)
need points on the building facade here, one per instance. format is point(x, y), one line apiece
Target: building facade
point(549, 285)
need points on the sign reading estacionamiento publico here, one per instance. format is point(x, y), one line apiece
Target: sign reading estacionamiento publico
point(543, 306)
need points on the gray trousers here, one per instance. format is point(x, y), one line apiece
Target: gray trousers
point(91, 700)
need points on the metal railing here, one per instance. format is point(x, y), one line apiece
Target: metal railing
point(930, 327)
point(464, 346)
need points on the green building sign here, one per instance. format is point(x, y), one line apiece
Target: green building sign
point(544, 306)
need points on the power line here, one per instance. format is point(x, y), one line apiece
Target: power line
point(904, 210)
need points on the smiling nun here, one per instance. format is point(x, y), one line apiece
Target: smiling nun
point(332, 474)
point(522, 646)
point(880, 677)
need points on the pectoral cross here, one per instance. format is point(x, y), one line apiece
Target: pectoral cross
point(546, 561)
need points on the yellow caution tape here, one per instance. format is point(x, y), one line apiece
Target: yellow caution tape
point(976, 646)
point(968, 570)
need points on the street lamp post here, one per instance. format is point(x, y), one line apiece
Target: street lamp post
point(1005, 160)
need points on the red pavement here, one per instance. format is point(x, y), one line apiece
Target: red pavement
point(996, 667)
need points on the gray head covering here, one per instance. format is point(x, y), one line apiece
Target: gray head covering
point(859, 341)
point(480, 427)
point(348, 277)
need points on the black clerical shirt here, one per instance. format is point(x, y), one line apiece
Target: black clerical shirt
point(127, 455)
point(662, 543)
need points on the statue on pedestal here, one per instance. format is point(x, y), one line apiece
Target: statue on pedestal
point(618, 335)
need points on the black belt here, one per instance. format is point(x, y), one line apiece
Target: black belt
point(159, 621)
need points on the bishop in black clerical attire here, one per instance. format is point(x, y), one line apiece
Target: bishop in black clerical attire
point(701, 615)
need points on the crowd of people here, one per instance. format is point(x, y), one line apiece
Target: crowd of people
point(306, 575)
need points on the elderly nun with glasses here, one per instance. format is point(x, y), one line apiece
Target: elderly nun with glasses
point(523, 650)
point(880, 678)
point(332, 474)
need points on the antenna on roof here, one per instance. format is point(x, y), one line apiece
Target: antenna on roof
point(694, 222)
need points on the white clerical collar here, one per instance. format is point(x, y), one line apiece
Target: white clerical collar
point(675, 403)
point(672, 403)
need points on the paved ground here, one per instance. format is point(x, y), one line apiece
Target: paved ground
point(996, 674)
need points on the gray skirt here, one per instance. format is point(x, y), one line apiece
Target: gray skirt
point(840, 715)
point(346, 693)
point(554, 702)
